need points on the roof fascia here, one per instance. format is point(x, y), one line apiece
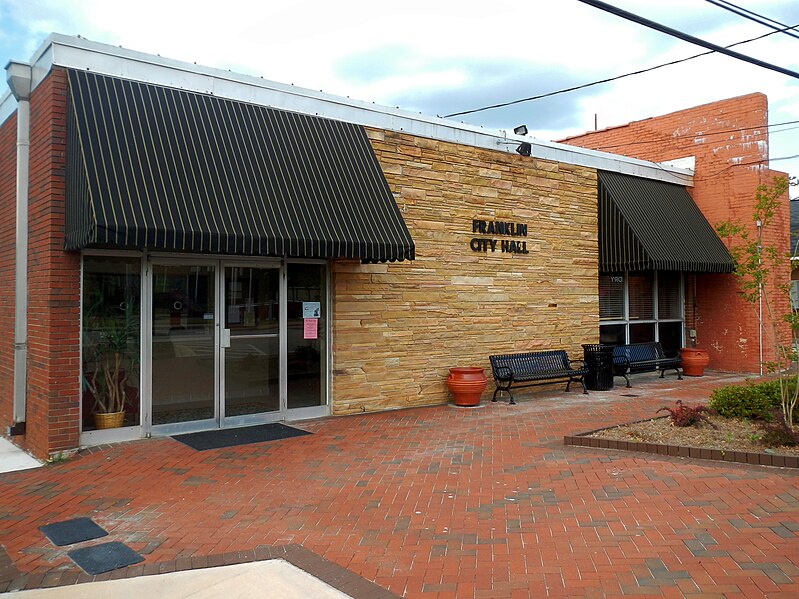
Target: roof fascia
point(78, 53)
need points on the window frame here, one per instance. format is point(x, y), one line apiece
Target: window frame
point(626, 321)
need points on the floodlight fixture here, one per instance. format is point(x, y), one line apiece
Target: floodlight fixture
point(525, 149)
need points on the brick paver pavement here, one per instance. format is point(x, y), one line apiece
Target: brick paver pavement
point(440, 502)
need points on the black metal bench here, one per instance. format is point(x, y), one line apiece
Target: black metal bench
point(534, 368)
point(643, 357)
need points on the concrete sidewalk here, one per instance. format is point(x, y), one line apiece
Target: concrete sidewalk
point(271, 579)
point(430, 502)
point(12, 458)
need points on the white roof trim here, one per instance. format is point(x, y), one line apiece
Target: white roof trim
point(78, 53)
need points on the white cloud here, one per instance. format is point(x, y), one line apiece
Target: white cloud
point(447, 43)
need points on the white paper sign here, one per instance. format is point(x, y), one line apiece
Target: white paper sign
point(311, 309)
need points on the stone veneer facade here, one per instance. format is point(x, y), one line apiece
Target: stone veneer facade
point(398, 327)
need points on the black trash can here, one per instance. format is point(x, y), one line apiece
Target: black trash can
point(599, 361)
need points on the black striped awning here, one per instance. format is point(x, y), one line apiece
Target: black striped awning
point(653, 225)
point(162, 168)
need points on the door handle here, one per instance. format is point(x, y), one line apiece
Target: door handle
point(225, 338)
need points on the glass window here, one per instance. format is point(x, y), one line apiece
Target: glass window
point(639, 324)
point(613, 334)
point(642, 332)
point(611, 296)
point(110, 342)
point(306, 328)
point(641, 287)
point(670, 335)
point(669, 295)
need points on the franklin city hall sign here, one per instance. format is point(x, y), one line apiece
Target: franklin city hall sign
point(491, 227)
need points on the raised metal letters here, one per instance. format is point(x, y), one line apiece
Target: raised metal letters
point(507, 246)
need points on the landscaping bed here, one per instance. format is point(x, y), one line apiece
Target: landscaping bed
point(733, 440)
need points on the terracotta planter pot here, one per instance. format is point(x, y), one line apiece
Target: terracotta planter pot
point(694, 361)
point(466, 383)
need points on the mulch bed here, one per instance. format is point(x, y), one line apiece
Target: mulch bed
point(731, 440)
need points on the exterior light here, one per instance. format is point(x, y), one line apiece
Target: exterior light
point(521, 130)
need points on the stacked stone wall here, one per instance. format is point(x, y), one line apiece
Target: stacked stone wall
point(399, 327)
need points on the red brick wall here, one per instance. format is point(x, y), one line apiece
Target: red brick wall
point(53, 283)
point(8, 203)
point(729, 140)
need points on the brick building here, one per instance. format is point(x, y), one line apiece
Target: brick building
point(202, 249)
point(728, 142)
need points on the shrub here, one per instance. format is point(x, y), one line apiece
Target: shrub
point(755, 401)
point(682, 415)
point(777, 434)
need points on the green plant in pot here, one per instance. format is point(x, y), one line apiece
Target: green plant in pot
point(111, 348)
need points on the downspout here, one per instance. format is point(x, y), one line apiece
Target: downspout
point(18, 75)
point(759, 224)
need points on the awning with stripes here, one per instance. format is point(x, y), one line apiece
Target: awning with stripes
point(653, 225)
point(163, 168)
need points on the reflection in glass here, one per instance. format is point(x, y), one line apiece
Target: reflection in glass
point(252, 362)
point(670, 335)
point(306, 343)
point(183, 362)
point(110, 340)
point(251, 301)
point(252, 376)
point(612, 334)
point(642, 332)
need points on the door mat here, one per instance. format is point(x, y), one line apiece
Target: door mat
point(104, 557)
point(230, 437)
point(72, 531)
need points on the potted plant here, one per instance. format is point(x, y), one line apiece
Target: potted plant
point(111, 346)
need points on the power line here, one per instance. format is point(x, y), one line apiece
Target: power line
point(687, 38)
point(609, 79)
point(764, 162)
point(694, 136)
point(752, 16)
point(784, 130)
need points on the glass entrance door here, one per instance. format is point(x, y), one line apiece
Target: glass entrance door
point(233, 343)
point(250, 343)
point(183, 349)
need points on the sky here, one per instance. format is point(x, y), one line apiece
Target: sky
point(438, 57)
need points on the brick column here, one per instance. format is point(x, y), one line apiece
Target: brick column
point(53, 405)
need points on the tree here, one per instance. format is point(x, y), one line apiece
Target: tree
point(758, 269)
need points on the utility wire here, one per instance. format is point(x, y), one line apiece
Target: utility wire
point(753, 16)
point(687, 38)
point(765, 162)
point(609, 79)
point(693, 136)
